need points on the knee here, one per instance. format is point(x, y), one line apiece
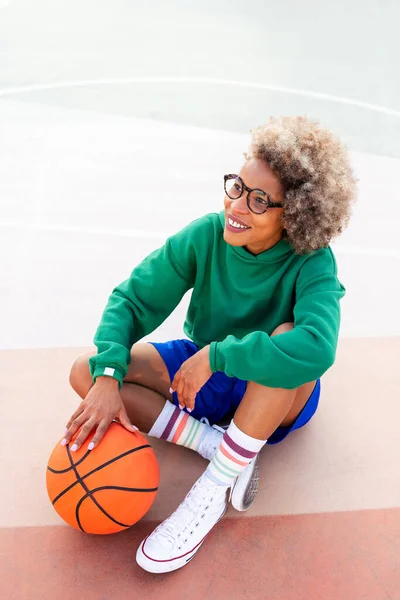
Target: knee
point(283, 328)
point(79, 377)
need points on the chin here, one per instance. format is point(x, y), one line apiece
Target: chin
point(233, 239)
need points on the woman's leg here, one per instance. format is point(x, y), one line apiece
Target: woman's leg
point(259, 414)
point(263, 409)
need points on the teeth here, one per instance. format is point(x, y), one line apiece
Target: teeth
point(237, 225)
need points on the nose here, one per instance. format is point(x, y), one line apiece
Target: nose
point(240, 205)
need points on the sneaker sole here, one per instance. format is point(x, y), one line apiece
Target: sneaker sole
point(245, 488)
point(152, 565)
point(164, 566)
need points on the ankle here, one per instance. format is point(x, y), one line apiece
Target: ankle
point(214, 484)
point(209, 442)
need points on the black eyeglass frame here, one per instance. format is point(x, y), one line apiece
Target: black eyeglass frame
point(268, 201)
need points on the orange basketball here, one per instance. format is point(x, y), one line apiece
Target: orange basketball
point(107, 489)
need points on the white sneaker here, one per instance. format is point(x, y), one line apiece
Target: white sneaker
point(245, 487)
point(175, 541)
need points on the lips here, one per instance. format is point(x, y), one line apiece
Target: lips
point(236, 220)
point(235, 225)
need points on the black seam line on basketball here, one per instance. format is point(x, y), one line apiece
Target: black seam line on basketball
point(88, 493)
point(123, 489)
point(131, 451)
point(111, 487)
point(69, 468)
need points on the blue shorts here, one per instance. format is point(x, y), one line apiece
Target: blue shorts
point(219, 398)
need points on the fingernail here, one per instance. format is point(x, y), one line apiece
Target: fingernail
point(64, 442)
point(135, 428)
point(189, 410)
point(65, 432)
point(171, 391)
point(181, 406)
point(74, 448)
point(91, 446)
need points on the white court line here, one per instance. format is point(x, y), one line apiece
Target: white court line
point(162, 236)
point(203, 81)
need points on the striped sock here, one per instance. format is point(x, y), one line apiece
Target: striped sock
point(176, 426)
point(237, 449)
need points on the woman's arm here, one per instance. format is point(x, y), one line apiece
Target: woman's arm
point(299, 356)
point(142, 302)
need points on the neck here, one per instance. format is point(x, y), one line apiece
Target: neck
point(264, 245)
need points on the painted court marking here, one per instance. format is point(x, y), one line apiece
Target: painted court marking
point(357, 250)
point(202, 81)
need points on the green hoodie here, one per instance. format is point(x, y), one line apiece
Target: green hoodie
point(237, 301)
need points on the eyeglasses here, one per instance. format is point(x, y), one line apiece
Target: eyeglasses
point(257, 200)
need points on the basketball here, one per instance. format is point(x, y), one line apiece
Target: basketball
point(107, 489)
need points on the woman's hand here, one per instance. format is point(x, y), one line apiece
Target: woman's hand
point(100, 407)
point(191, 377)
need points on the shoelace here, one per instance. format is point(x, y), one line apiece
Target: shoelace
point(217, 427)
point(171, 530)
point(210, 443)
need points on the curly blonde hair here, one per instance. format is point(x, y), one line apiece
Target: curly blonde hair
point(314, 169)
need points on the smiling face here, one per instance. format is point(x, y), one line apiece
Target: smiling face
point(256, 232)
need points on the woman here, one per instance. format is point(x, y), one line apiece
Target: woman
point(263, 325)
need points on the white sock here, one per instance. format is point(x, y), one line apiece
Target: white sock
point(178, 427)
point(235, 452)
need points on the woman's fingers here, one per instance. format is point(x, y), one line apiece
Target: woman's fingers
point(179, 390)
point(186, 394)
point(190, 400)
point(95, 412)
point(175, 382)
point(100, 432)
point(125, 421)
point(177, 386)
point(74, 425)
point(84, 431)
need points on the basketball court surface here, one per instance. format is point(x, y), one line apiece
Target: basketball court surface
point(117, 123)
